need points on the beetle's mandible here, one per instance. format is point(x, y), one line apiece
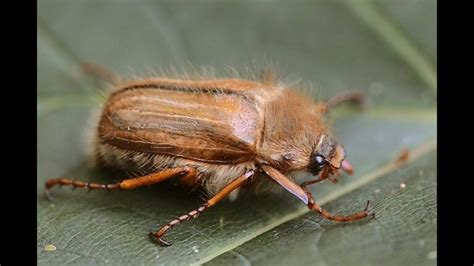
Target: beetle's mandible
point(224, 135)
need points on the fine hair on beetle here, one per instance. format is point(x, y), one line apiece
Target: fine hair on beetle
point(226, 135)
point(143, 163)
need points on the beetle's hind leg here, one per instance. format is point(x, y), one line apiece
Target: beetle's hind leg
point(154, 178)
point(236, 183)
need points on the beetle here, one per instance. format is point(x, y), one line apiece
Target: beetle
point(224, 135)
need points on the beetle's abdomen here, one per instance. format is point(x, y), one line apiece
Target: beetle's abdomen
point(215, 127)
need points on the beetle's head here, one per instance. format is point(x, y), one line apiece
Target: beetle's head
point(328, 157)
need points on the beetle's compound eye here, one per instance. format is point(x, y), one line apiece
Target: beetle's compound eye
point(316, 164)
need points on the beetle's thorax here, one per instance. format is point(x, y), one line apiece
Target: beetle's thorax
point(293, 129)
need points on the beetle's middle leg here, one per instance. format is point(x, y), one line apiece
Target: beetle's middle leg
point(236, 183)
point(184, 172)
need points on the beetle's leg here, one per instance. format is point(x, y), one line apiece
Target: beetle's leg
point(100, 72)
point(324, 175)
point(346, 96)
point(342, 97)
point(310, 182)
point(236, 183)
point(286, 183)
point(333, 179)
point(353, 217)
point(131, 183)
point(305, 196)
point(331, 175)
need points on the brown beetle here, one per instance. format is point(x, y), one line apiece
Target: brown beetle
point(224, 135)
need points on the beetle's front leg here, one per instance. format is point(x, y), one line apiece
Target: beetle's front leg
point(236, 183)
point(310, 182)
point(324, 175)
point(305, 196)
point(353, 217)
point(314, 181)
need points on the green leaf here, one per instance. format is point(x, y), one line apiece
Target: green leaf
point(334, 45)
